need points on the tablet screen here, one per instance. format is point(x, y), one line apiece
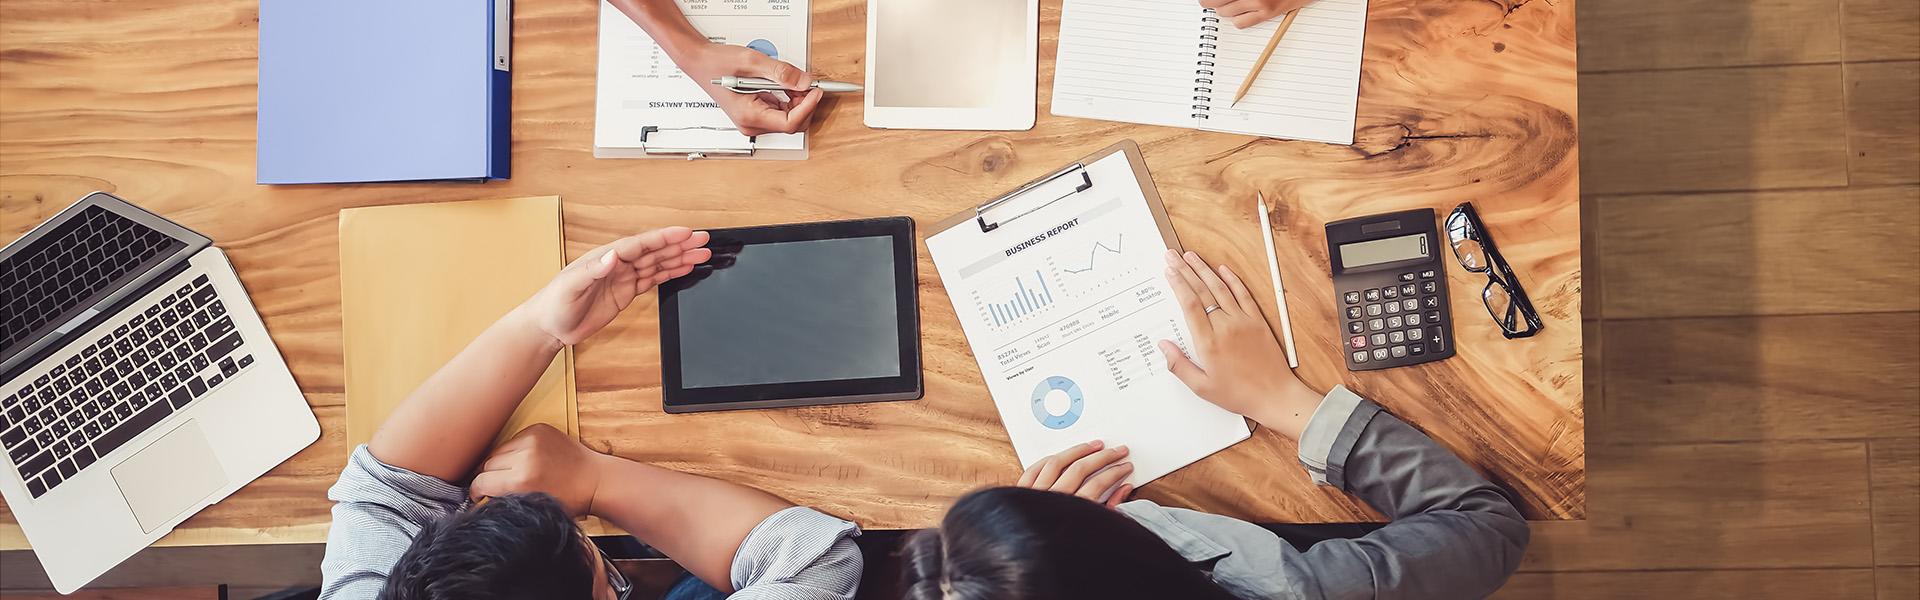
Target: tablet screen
point(788, 312)
point(946, 54)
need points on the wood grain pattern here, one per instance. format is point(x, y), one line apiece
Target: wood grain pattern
point(1669, 34)
point(1760, 378)
point(1788, 252)
point(1462, 101)
point(1830, 584)
point(1778, 504)
point(1881, 29)
point(166, 593)
point(1896, 583)
point(1715, 129)
point(1894, 468)
point(1883, 122)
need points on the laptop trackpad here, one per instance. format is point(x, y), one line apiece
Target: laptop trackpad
point(169, 476)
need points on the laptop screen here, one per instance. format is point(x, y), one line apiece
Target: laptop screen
point(70, 269)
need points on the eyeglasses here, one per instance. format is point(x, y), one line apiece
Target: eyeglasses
point(622, 589)
point(1505, 300)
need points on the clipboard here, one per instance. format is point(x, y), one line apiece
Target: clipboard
point(1003, 209)
point(1061, 314)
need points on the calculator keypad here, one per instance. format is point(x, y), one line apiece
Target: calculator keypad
point(1397, 321)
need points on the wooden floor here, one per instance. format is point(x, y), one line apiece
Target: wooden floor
point(1752, 212)
point(1753, 276)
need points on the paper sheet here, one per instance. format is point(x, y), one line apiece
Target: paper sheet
point(1128, 60)
point(1153, 62)
point(1310, 87)
point(418, 282)
point(1063, 309)
point(639, 86)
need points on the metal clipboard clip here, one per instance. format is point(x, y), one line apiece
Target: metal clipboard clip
point(690, 152)
point(980, 212)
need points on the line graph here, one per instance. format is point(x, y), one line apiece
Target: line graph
point(1093, 254)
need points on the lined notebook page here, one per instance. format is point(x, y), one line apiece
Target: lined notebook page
point(1128, 60)
point(1309, 88)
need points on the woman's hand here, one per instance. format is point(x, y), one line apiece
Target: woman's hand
point(1241, 367)
point(1088, 470)
point(542, 459)
point(589, 293)
point(1248, 13)
point(754, 114)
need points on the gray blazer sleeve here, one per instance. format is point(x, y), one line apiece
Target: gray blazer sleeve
point(1453, 534)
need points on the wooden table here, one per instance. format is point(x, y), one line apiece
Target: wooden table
point(153, 100)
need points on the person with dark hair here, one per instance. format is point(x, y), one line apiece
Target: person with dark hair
point(405, 528)
point(1067, 531)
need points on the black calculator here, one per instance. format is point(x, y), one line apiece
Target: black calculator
point(1390, 285)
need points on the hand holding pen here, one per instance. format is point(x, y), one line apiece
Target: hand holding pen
point(755, 85)
point(755, 113)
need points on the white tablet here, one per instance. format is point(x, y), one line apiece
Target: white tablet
point(942, 64)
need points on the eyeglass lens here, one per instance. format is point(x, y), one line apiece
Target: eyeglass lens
point(1466, 246)
point(1499, 304)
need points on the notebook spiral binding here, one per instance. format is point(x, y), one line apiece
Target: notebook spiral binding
point(1203, 64)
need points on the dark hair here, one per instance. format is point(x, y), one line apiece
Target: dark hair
point(511, 548)
point(1020, 544)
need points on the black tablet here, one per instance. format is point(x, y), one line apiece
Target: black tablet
point(794, 315)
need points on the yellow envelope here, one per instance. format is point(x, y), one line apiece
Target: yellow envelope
point(420, 281)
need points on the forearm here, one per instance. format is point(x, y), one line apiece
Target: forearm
point(662, 21)
point(697, 521)
point(1454, 534)
point(444, 428)
point(1289, 411)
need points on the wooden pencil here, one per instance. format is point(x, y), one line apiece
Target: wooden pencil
point(1261, 63)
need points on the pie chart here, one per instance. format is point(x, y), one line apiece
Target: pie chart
point(764, 47)
point(1075, 402)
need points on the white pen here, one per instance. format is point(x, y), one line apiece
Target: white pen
point(754, 85)
point(1279, 293)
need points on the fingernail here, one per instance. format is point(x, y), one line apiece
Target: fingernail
point(1192, 256)
point(1122, 450)
point(1172, 258)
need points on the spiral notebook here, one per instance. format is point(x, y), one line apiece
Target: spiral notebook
point(1170, 62)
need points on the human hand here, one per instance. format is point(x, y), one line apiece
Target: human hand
point(1246, 371)
point(589, 293)
point(542, 459)
point(1088, 470)
point(1248, 13)
point(754, 114)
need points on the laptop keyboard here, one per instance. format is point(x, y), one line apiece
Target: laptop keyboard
point(76, 261)
point(104, 393)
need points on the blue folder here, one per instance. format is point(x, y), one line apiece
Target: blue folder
point(383, 90)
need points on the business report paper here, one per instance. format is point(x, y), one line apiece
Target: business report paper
point(1064, 308)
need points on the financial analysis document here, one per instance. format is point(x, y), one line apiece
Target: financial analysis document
point(639, 86)
point(1064, 308)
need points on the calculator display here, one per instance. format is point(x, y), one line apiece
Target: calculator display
point(1362, 254)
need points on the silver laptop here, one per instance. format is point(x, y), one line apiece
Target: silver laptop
point(137, 385)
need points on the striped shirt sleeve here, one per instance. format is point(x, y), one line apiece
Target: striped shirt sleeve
point(377, 511)
point(798, 554)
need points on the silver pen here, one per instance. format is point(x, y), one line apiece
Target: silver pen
point(754, 85)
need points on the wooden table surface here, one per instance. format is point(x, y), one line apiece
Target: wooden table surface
point(153, 100)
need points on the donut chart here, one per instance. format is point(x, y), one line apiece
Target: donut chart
point(1077, 402)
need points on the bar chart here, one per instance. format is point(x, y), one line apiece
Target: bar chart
point(1030, 295)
